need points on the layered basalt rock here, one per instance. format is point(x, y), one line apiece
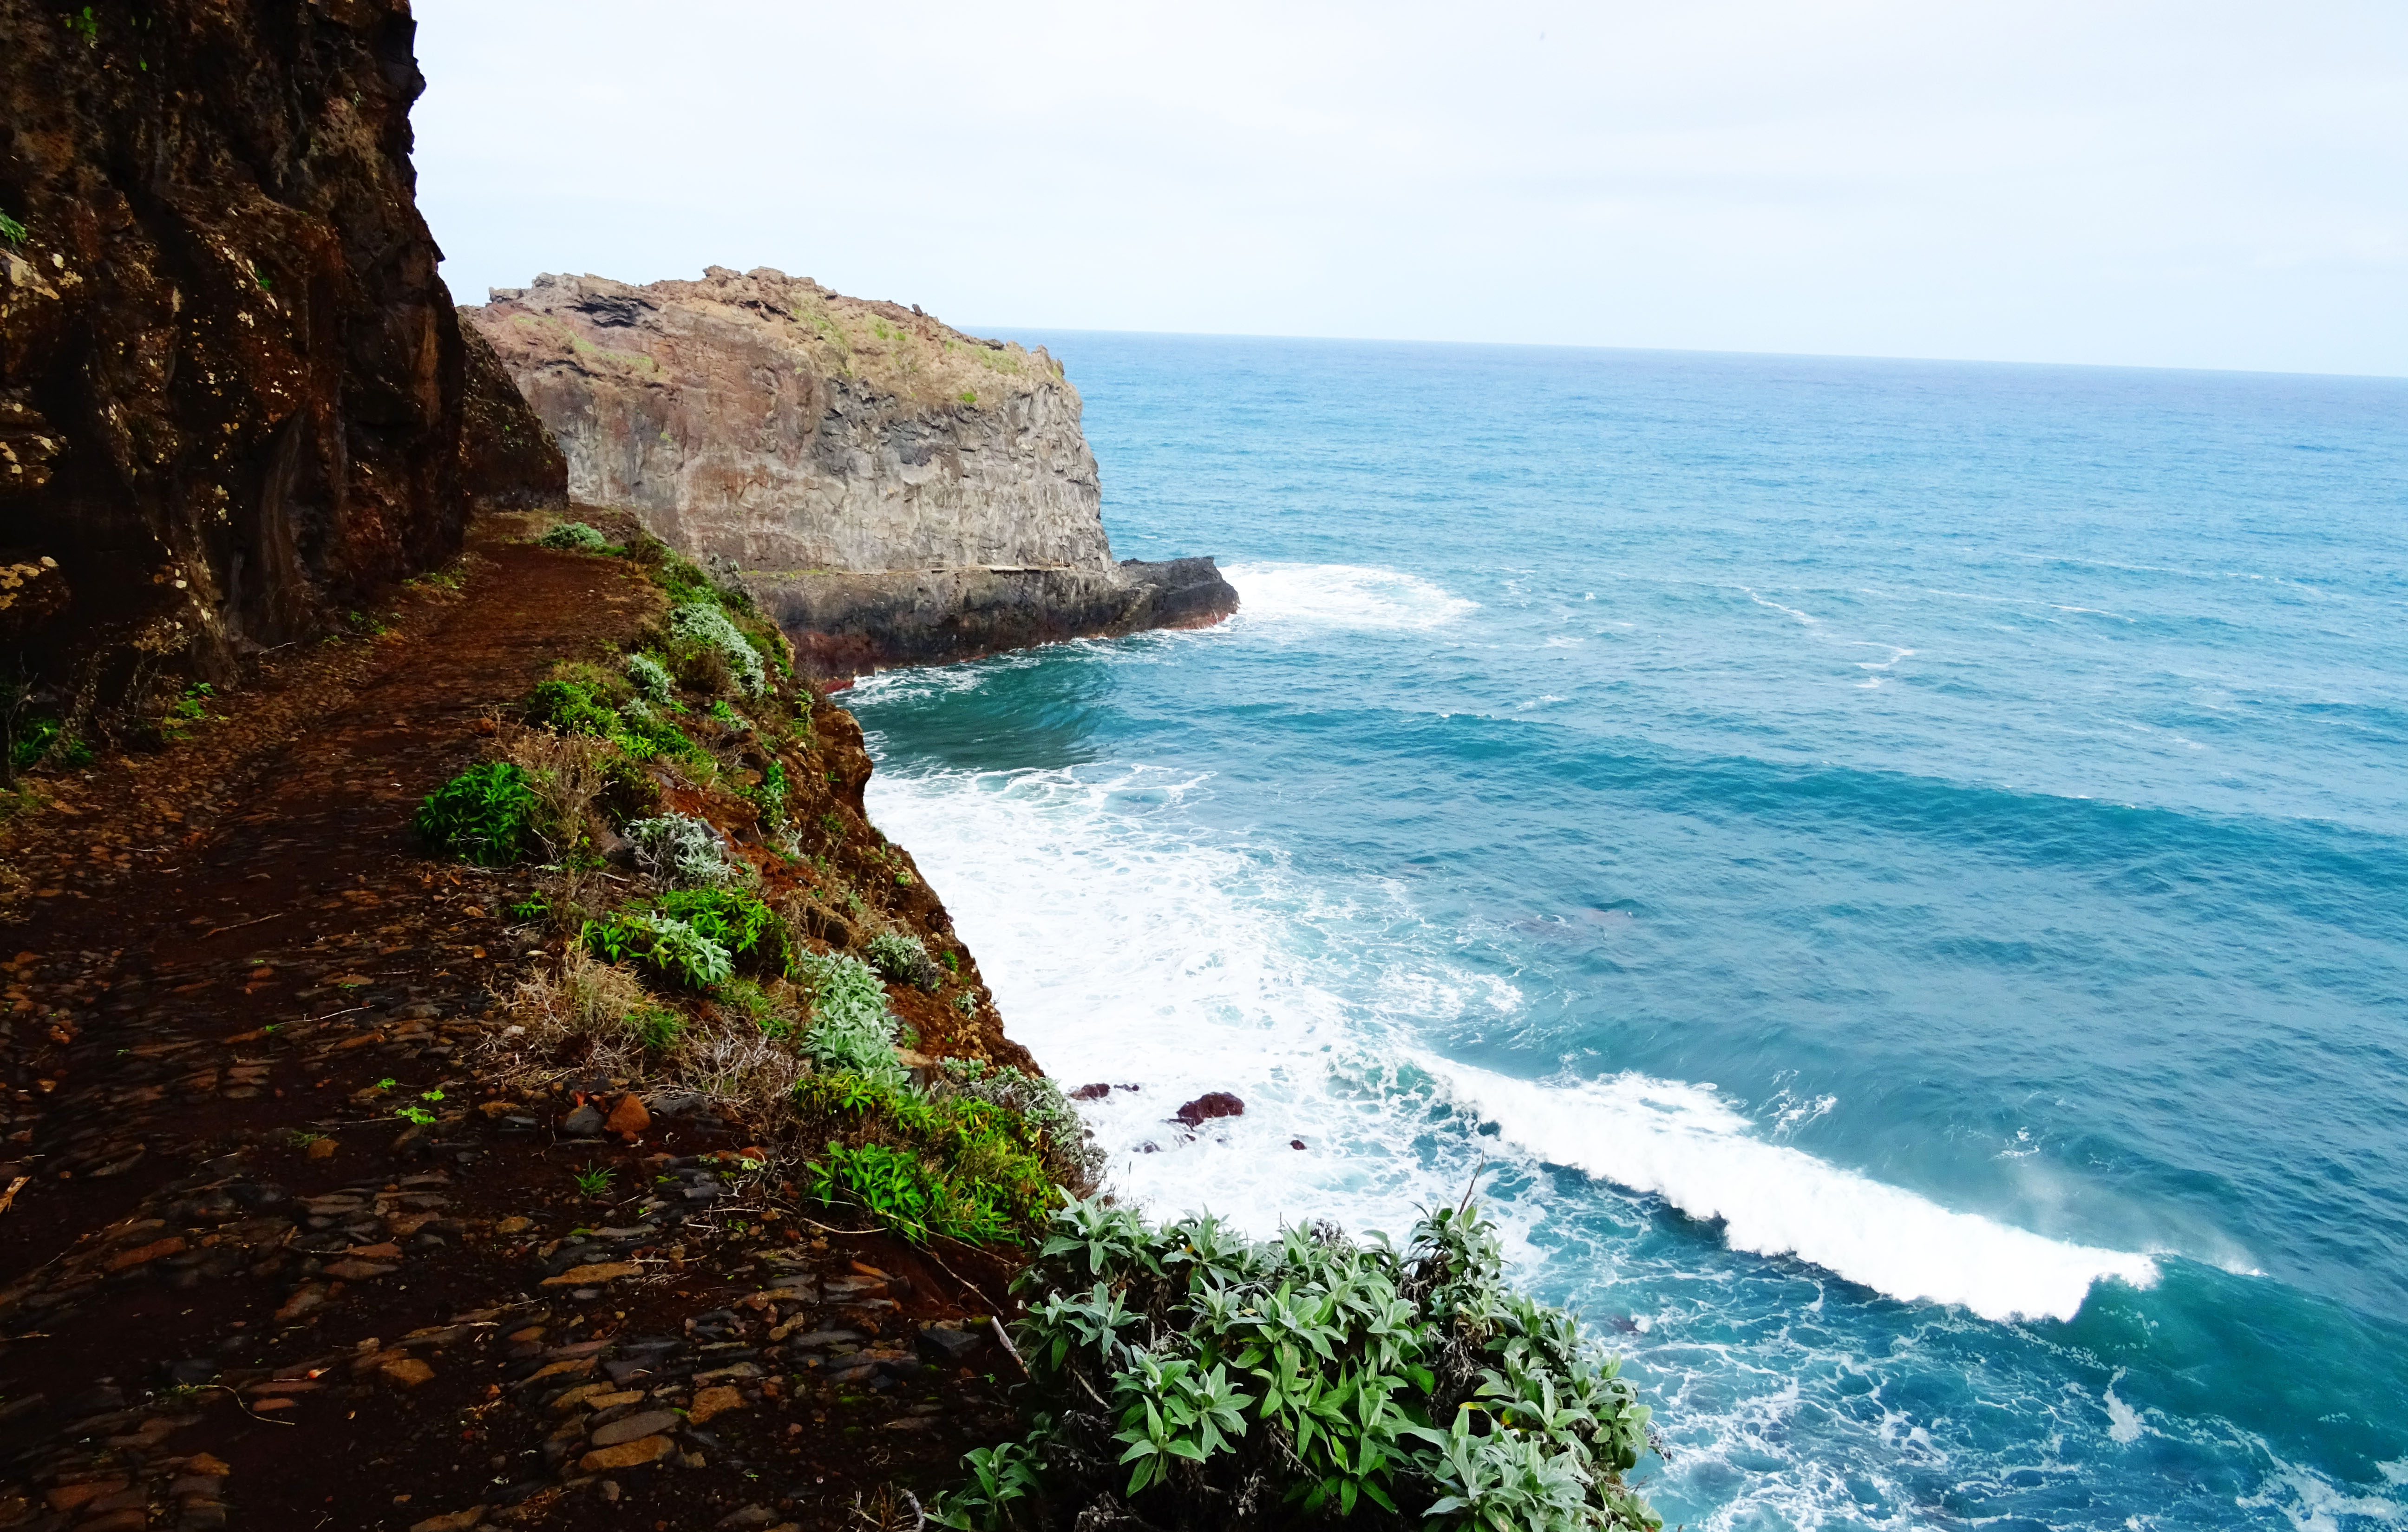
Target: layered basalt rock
point(231, 385)
point(846, 625)
point(896, 491)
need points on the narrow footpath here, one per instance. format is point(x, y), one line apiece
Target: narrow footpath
point(237, 1289)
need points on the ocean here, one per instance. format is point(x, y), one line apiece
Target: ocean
point(1892, 876)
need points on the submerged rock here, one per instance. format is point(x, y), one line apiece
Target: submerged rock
point(1209, 1105)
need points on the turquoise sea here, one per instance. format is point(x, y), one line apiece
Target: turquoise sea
point(1894, 875)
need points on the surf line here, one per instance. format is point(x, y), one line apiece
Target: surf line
point(1680, 1142)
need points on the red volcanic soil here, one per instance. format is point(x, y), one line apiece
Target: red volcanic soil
point(237, 1289)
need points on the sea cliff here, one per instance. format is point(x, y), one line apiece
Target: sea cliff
point(895, 489)
point(231, 385)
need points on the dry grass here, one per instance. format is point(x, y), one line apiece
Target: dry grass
point(568, 774)
point(582, 1020)
point(731, 1062)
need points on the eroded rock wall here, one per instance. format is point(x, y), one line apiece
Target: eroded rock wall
point(846, 625)
point(231, 385)
point(764, 419)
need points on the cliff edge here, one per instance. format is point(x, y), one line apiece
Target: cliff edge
point(896, 490)
point(232, 385)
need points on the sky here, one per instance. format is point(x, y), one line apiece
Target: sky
point(2194, 185)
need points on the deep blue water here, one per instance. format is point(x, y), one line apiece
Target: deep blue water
point(1899, 869)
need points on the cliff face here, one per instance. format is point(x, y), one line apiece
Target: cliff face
point(764, 419)
point(232, 385)
point(508, 459)
point(894, 491)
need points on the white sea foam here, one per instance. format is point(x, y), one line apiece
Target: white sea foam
point(1128, 954)
point(1787, 611)
point(1293, 598)
point(1684, 1144)
point(2123, 1421)
point(1127, 950)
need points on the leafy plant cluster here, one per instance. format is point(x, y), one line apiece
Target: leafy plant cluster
point(572, 706)
point(851, 1029)
point(679, 848)
point(903, 958)
point(485, 815)
point(576, 536)
point(650, 678)
point(705, 624)
point(694, 938)
point(927, 1166)
point(1192, 1378)
point(1072, 1157)
point(669, 947)
point(768, 796)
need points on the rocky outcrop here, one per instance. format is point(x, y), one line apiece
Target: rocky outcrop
point(231, 385)
point(508, 459)
point(896, 491)
point(845, 624)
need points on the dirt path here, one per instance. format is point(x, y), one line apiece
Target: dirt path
point(234, 1290)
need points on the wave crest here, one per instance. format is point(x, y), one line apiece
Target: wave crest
point(1680, 1142)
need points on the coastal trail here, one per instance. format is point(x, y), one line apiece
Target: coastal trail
point(237, 1289)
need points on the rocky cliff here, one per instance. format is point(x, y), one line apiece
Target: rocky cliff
point(898, 490)
point(232, 385)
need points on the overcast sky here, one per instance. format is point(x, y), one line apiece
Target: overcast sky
point(2192, 184)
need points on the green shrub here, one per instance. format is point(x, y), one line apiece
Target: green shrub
point(645, 734)
point(650, 678)
point(603, 707)
point(680, 849)
point(1186, 1370)
point(1071, 1156)
point(657, 1028)
point(576, 536)
point(485, 815)
point(850, 1027)
point(568, 707)
point(629, 792)
point(768, 796)
point(40, 739)
point(960, 1168)
point(903, 959)
point(667, 945)
point(703, 623)
point(736, 920)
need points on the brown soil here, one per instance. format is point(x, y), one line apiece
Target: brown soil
point(235, 1290)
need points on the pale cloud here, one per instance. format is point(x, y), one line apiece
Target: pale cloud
point(2190, 185)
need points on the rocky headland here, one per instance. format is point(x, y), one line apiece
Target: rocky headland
point(893, 490)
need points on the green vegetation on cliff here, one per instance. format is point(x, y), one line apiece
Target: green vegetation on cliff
point(1191, 1379)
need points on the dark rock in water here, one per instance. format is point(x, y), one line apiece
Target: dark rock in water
point(585, 1123)
point(1091, 1093)
point(847, 625)
point(1209, 1105)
